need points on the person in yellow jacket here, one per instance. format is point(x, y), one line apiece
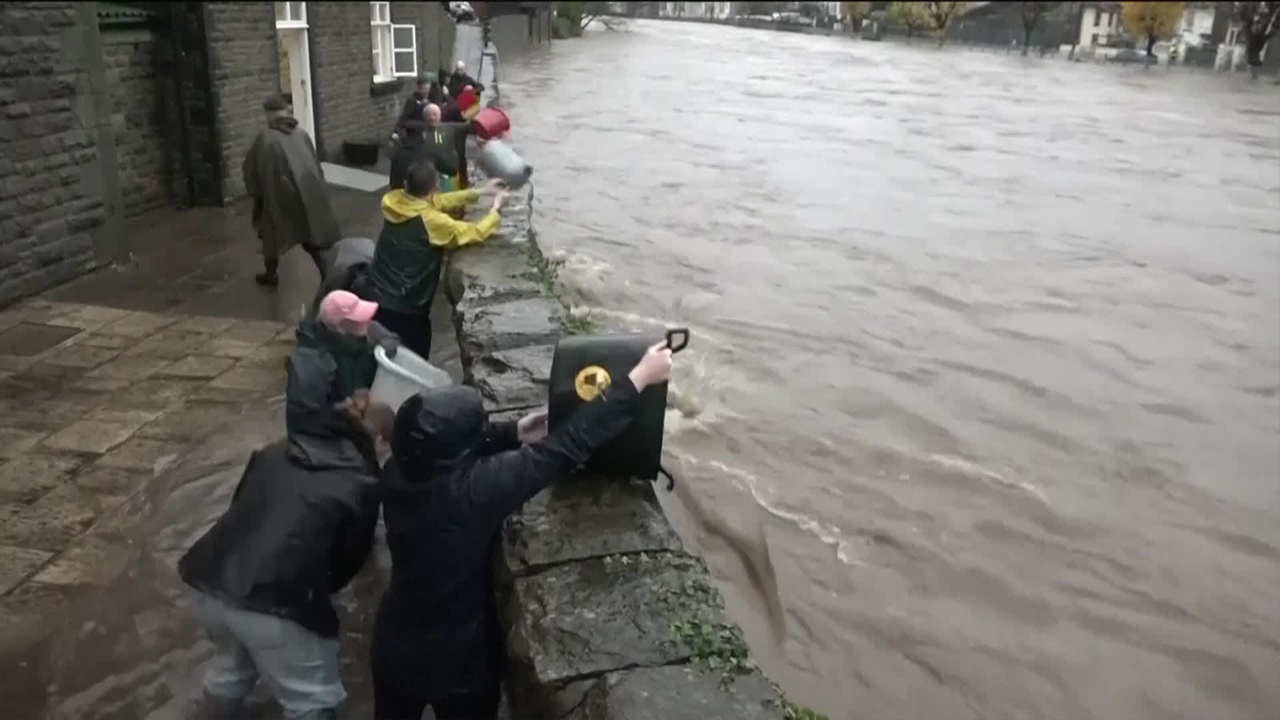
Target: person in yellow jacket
point(415, 236)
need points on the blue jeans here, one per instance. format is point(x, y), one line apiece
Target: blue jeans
point(300, 666)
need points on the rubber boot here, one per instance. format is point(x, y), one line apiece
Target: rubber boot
point(212, 707)
point(270, 277)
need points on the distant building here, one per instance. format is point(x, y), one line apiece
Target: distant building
point(696, 10)
point(1100, 24)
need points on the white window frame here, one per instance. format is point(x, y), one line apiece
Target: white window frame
point(412, 47)
point(288, 20)
point(383, 38)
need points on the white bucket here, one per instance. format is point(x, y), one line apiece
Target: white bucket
point(400, 379)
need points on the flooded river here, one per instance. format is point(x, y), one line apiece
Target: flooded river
point(991, 344)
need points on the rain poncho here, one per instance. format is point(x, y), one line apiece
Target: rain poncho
point(451, 482)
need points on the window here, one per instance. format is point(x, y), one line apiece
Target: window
point(395, 47)
point(291, 15)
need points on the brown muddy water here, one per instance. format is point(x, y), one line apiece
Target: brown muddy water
point(987, 348)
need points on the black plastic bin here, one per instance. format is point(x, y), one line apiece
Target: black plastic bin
point(586, 364)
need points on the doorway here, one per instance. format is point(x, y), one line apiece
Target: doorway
point(295, 62)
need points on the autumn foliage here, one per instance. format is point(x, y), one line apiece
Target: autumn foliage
point(1151, 20)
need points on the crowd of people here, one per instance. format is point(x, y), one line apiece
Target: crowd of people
point(302, 519)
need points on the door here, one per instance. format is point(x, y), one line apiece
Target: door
point(291, 34)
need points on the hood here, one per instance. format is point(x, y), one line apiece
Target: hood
point(436, 430)
point(399, 206)
point(320, 437)
point(284, 124)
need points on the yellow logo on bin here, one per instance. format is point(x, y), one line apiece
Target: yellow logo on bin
point(591, 381)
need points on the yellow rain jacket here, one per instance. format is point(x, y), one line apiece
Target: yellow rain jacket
point(416, 234)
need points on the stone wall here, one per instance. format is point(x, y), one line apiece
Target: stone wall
point(245, 68)
point(51, 184)
point(348, 107)
point(139, 95)
point(606, 616)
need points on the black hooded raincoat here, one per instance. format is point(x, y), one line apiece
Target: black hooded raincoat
point(301, 522)
point(452, 481)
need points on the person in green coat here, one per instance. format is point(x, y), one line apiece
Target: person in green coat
point(343, 326)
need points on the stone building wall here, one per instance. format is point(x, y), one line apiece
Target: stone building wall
point(348, 107)
point(139, 95)
point(51, 195)
point(244, 60)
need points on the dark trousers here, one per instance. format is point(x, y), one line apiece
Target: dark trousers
point(413, 328)
point(320, 257)
point(393, 704)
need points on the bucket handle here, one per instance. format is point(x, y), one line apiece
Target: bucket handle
point(683, 334)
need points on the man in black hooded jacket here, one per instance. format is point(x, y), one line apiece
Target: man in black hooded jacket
point(452, 481)
point(300, 526)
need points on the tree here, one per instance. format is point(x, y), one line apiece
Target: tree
point(1152, 20)
point(576, 16)
point(1032, 15)
point(939, 15)
point(1259, 22)
point(910, 15)
point(853, 13)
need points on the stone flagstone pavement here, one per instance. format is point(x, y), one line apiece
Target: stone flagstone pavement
point(94, 402)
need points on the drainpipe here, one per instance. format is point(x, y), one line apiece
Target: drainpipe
point(184, 131)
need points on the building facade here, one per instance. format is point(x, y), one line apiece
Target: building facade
point(111, 110)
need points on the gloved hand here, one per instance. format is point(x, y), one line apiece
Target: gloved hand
point(384, 338)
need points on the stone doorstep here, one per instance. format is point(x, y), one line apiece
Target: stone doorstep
point(585, 517)
point(677, 693)
point(586, 618)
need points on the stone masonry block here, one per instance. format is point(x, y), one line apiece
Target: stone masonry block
point(585, 517)
point(485, 330)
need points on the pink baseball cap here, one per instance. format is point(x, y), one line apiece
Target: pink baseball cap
point(341, 305)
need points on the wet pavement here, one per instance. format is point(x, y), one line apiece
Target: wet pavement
point(129, 400)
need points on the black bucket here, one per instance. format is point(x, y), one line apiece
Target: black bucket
point(586, 364)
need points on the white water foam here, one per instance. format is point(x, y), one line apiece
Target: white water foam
point(743, 480)
point(974, 470)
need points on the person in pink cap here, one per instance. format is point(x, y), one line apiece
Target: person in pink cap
point(343, 326)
